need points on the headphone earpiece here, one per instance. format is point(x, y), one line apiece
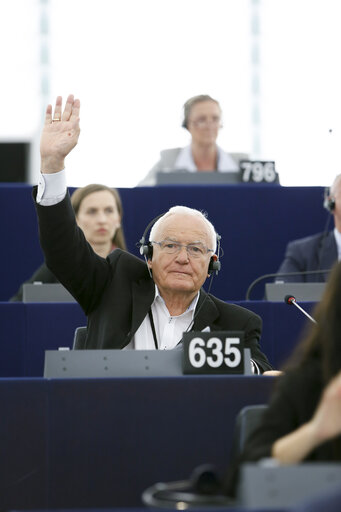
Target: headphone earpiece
point(214, 266)
point(329, 201)
point(146, 249)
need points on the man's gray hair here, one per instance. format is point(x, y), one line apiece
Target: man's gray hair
point(184, 210)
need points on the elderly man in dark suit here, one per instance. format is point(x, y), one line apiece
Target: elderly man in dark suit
point(131, 304)
point(317, 252)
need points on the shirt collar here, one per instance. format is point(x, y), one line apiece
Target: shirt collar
point(159, 299)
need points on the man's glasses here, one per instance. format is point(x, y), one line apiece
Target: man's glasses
point(195, 250)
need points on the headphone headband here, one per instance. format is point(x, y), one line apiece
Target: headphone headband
point(146, 248)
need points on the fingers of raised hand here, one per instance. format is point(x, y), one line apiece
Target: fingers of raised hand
point(70, 113)
point(71, 110)
point(75, 111)
point(57, 110)
point(48, 115)
point(68, 108)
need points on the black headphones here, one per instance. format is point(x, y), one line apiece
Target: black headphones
point(328, 201)
point(146, 248)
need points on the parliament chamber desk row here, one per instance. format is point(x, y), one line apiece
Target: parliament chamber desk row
point(27, 330)
point(255, 222)
point(96, 443)
point(100, 443)
point(73, 443)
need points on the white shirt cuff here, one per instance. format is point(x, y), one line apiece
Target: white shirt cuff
point(51, 188)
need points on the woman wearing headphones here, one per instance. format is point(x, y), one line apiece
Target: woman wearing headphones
point(202, 119)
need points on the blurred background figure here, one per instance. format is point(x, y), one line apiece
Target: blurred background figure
point(99, 213)
point(303, 419)
point(319, 251)
point(202, 119)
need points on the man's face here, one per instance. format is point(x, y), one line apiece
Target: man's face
point(181, 272)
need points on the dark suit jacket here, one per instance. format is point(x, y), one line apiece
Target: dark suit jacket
point(116, 293)
point(42, 274)
point(316, 252)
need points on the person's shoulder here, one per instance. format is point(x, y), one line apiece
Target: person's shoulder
point(44, 274)
point(164, 164)
point(170, 151)
point(169, 154)
point(231, 308)
point(309, 240)
point(124, 257)
point(127, 262)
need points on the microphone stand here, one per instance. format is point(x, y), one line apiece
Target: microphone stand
point(289, 299)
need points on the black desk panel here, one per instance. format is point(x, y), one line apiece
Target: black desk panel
point(24, 441)
point(13, 335)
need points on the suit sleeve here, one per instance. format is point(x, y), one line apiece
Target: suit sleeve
point(252, 331)
point(296, 260)
point(292, 404)
point(277, 420)
point(69, 256)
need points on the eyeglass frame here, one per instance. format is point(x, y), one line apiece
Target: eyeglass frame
point(180, 246)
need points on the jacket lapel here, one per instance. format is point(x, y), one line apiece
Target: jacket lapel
point(143, 296)
point(208, 312)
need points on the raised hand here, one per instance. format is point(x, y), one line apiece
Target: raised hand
point(60, 134)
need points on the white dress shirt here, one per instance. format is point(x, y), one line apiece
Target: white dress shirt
point(168, 329)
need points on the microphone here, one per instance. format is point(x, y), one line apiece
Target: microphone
point(290, 299)
point(283, 274)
